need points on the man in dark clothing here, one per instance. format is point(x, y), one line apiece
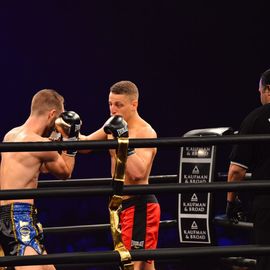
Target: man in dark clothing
point(255, 158)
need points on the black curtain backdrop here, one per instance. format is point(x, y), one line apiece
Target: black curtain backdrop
point(197, 65)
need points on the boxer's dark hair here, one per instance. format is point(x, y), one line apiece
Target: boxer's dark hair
point(125, 88)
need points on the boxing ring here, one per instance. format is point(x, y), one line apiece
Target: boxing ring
point(89, 187)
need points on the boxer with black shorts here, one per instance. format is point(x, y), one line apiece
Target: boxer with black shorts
point(20, 232)
point(140, 215)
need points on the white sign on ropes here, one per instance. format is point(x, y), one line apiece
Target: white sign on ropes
point(196, 167)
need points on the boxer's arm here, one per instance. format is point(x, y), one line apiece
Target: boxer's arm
point(115, 126)
point(59, 165)
point(96, 136)
point(138, 163)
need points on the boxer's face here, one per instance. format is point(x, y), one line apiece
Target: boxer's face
point(52, 115)
point(121, 105)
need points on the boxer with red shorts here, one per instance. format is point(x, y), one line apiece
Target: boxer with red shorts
point(140, 214)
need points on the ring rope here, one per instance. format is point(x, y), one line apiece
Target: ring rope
point(137, 255)
point(157, 179)
point(218, 220)
point(163, 223)
point(134, 189)
point(115, 203)
point(134, 143)
point(95, 227)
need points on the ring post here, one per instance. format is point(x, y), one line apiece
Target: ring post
point(197, 166)
point(115, 203)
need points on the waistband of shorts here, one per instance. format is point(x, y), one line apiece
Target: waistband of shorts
point(139, 199)
point(6, 210)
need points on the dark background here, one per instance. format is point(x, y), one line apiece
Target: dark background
point(196, 64)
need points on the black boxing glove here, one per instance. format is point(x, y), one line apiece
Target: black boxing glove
point(235, 212)
point(69, 125)
point(117, 126)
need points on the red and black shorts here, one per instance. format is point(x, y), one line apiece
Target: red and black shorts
point(139, 219)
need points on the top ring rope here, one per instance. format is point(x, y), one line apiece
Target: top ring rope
point(134, 143)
